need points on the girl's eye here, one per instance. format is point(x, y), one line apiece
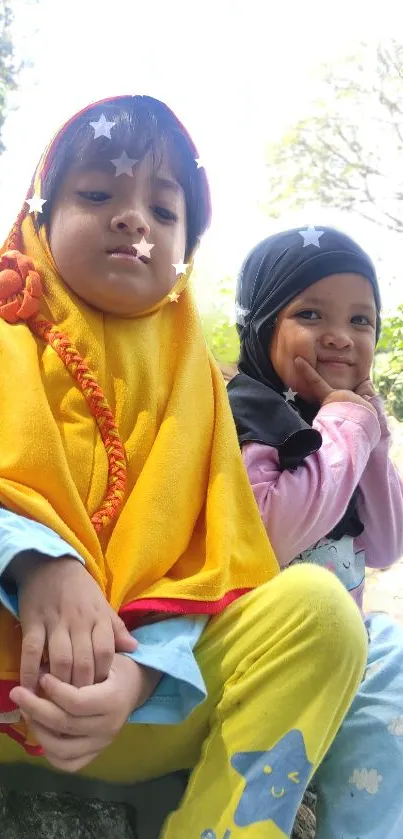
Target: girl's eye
point(94, 196)
point(164, 214)
point(306, 314)
point(361, 320)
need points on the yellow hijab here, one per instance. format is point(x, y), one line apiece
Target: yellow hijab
point(183, 533)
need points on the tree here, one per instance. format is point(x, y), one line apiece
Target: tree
point(219, 329)
point(348, 152)
point(8, 70)
point(221, 337)
point(388, 367)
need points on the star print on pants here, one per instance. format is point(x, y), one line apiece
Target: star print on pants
point(275, 782)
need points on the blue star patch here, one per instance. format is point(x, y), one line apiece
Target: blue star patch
point(275, 782)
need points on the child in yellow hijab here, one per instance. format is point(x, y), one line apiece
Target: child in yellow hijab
point(117, 441)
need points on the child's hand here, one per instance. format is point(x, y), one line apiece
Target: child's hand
point(63, 611)
point(365, 389)
point(73, 725)
point(313, 388)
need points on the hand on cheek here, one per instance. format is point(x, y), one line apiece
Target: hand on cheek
point(298, 362)
point(313, 388)
point(309, 385)
point(365, 389)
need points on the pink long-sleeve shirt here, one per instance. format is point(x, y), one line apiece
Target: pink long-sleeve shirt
point(300, 507)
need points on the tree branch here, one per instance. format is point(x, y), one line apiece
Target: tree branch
point(335, 155)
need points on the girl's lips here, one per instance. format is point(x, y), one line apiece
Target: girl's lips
point(119, 256)
point(126, 255)
point(123, 255)
point(334, 363)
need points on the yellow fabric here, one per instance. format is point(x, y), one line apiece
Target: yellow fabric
point(287, 657)
point(189, 528)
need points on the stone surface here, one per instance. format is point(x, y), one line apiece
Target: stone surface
point(55, 815)
point(33, 806)
point(305, 825)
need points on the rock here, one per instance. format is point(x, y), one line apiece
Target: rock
point(72, 807)
point(61, 816)
point(305, 824)
point(52, 815)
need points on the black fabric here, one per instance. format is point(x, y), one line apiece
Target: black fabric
point(275, 271)
point(252, 404)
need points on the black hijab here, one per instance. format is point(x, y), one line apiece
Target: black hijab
point(274, 272)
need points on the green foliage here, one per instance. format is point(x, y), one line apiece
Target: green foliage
point(388, 367)
point(220, 332)
point(391, 339)
point(8, 70)
point(390, 386)
point(221, 337)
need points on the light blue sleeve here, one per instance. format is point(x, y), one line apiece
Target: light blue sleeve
point(168, 646)
point(19, 534)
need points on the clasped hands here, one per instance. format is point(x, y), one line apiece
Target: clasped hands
point(76, 708)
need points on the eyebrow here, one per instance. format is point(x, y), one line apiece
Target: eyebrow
point(94, 165)
point(102, 165)
point(166, 183)
point(317, 301)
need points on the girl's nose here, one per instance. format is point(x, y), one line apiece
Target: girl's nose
point(339, 339)
point(130, 221)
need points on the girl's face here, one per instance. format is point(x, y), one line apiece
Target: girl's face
point(332, 324)
point(96, 214)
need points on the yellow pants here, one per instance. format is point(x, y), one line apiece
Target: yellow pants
point(282, 665)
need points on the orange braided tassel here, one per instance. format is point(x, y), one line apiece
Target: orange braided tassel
point(117, 473)
point(20, 292)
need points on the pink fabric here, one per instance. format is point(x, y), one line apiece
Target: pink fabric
point(298, 508)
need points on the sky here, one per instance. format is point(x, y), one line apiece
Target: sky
point(237, 74)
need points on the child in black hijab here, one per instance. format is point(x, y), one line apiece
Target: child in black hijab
point(315, 443)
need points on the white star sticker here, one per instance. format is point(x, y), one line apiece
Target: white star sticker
point(180, 267)
point(124, 164)
point(102, 128)
point(35, 204)
point(143, 248)
point(240, 315)
point(173, 297)
point(311, 236)
point(289, 395)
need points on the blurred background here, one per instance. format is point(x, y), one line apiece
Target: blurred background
point(297, 112)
